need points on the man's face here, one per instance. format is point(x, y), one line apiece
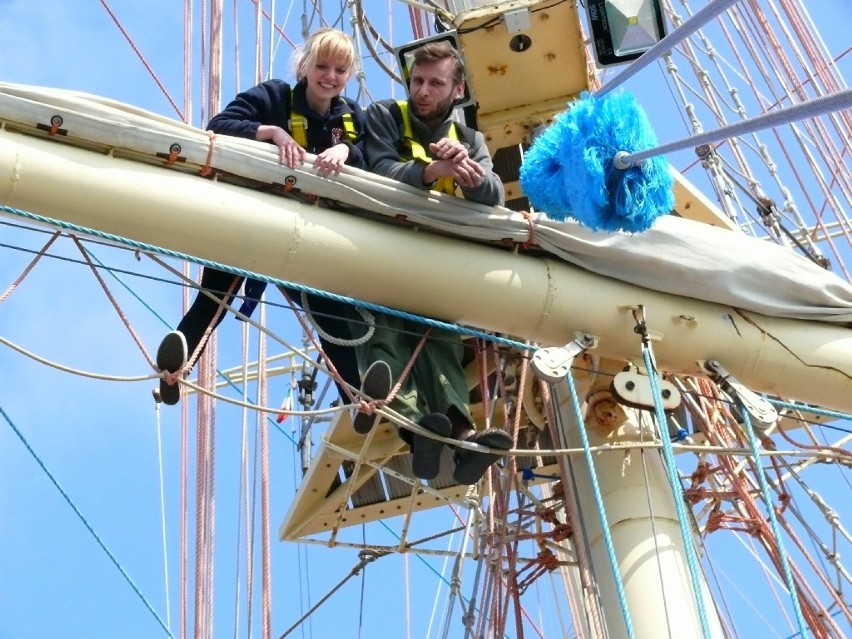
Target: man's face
point(432, 90)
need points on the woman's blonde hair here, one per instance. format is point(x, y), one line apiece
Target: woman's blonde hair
point(323, 44)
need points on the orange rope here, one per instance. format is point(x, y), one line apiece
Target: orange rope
point(531, 238)
point(142, 59)
point(29, 267)
point(115, 305)
point(207, 169)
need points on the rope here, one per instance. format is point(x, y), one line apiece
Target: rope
point(151, 248)
point(29, 267)
point(142, 59)
point(76, 371)
point(163, 515)
point(85, 522)
point(456, 580)
point(773, 521)
point(184, 519)
point(366, 557)
point(671, 470)
point(810, 109)
point(367, 316)
point(112, 300)
point(265, 545)
point(596, 489)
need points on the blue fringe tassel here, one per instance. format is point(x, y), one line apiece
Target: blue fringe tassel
point(568, 170)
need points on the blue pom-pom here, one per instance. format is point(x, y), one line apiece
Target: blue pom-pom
point(569, 171)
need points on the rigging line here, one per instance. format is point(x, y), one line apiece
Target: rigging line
point(365, 26)
point(773, 520)
point(598, 498)
point(163, 513)
point(773, 44)
point(266, 551)
point(366, 557)
point(184, 519)
point(101, 265)
point(472, 503)
point(142, 59)
point(76, 371)
point(755, 35)
point(649, 502)
point(150, 248)
point(671, 469)
point(806, 250)
point(810, 109)
point(272, 24)
point(809, 409)
point(85, 522)
point(134, 336)
point(469, 615)
point(29, 266)
point(808, 62)
point(187, 62)
point(242, 501)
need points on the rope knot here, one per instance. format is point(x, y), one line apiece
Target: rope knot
point(368, 408)
point(172, 378)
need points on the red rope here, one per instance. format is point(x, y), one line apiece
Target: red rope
point(142, 59)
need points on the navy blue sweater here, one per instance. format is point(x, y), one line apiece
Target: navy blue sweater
point(270, 103)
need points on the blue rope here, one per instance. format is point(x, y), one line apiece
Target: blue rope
point(596, 489)
point(773, 520)
point(86, 523)
point(677, 492)
point(150, 248)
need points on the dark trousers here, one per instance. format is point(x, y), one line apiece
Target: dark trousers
point(328, 314)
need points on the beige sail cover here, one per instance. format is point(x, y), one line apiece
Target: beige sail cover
point(676, 256)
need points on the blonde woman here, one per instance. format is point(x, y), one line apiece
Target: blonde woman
point(310, 117)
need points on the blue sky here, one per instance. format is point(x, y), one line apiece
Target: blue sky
point(99, 438)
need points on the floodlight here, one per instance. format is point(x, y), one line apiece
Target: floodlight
point(624, 29)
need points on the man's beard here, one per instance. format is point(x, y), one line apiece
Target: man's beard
point(439, 112)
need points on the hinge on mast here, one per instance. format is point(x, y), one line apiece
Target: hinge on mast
point(762, 413)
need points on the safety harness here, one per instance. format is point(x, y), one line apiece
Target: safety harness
point(299, 125)
point(444, 184)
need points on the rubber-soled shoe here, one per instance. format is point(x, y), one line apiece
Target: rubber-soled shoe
point(471, 465)
point(376, 385)
point(426, 452)
point(171, 357)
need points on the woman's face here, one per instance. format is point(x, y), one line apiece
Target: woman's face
point(326, 79)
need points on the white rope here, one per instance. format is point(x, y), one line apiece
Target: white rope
point(77, 371)
point(163, 517)
point(810, 109)
point(368, 317)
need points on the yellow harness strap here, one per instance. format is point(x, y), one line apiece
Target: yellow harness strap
point(444, 184)
point(299, 126)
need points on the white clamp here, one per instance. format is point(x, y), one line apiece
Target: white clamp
point(634, 389)
point(552, 364)
point(761, 411)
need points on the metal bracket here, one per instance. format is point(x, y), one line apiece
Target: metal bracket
point(632, 388)
point(552, 364)
point(761, 411)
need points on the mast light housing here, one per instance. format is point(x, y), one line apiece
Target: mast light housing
point(623, 30)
